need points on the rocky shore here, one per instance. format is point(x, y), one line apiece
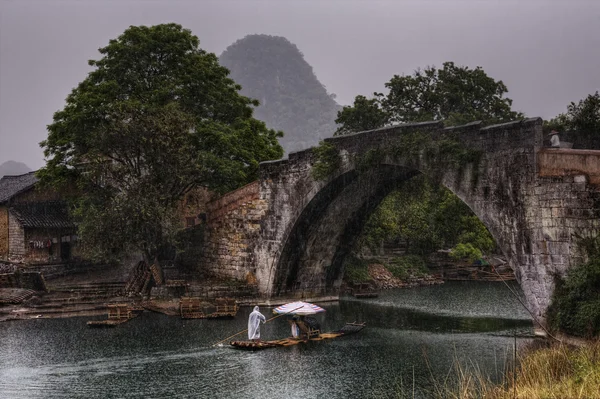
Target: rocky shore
point(384, 279)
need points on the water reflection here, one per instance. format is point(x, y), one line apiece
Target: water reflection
point(154, 356)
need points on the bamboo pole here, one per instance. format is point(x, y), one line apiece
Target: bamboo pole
point(243, 331)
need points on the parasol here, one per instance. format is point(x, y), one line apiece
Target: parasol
point(299, 308)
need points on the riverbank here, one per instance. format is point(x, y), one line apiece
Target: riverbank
point(545, 371)
point(407, 271)
point(88, 293)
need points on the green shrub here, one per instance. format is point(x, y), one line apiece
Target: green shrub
point(408, 265)
point(327, 161)
point(356, 270)
point(575, 306)
point(465, 251)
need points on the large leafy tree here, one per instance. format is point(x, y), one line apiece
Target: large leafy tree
point(364, 114)
point(157, 117)
point(453, 94)
point(582, 117)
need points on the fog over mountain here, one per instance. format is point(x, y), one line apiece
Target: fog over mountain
point(13, 168)
point(545, 51)
point(273, 71)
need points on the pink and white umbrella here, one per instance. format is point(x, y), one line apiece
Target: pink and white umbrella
point(299, 308)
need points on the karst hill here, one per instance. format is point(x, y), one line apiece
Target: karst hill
point(10, 168)
point(272, 70)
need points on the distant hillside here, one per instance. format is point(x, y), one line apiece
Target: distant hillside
point(273, 71)
point(13, 168)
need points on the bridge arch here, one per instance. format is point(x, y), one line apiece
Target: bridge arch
point(311, 225)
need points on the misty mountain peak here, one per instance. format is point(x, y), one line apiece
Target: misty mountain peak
point(273, 70)
point(10, 168)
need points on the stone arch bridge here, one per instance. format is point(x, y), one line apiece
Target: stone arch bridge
point(293, 232)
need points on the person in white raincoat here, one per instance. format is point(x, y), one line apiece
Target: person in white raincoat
point(254, 324)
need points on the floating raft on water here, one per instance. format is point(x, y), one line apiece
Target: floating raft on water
point(118, 313)
point(105, 323)
point(362, 295)
point(191, 308)
point(364, 290)
point(349, 328)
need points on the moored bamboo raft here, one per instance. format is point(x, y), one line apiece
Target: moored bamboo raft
point(364, 290)
point(191, 308)
point(15, 295)
point(105, 323)
point(118, 313)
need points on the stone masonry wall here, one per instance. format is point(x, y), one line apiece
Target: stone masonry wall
point(232, 232)
point(16, 238)
point(218, 208)
point(3, 232)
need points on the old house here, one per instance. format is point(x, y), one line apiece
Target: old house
point(34, 223)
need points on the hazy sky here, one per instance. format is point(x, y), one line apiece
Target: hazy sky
point(546, 51)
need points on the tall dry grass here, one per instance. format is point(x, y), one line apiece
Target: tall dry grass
point(555, 372)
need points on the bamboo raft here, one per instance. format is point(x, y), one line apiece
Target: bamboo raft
point(15, 295)
point(364, 290)
point(349, 328)
point(118, 313)
point(190, 308)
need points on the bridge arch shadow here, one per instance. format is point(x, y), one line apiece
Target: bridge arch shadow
point(325, 233)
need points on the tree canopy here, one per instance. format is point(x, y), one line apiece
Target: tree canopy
point(292, 99)
point(582, 117)
point(453, 94)
point(156, 117)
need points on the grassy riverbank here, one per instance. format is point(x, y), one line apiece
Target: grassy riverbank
point(555, 372)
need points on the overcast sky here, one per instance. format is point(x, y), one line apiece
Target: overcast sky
point(546, 51)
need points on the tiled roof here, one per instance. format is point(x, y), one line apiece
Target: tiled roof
point(50, 214)
point(13, 185)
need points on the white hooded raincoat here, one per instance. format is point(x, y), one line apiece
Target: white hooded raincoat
point(254, 323)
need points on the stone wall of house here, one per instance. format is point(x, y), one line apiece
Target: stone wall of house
point(16, 238)
point(44, 245)
point(3, 232)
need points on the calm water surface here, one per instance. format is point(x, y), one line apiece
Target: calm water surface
point(418, 331)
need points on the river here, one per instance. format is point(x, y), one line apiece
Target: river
point(416, 332)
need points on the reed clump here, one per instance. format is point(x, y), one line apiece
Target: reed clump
point(555, 372)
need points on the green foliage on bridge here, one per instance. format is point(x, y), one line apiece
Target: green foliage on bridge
point(327, 161)
point(156, 117)
point(418, 149)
